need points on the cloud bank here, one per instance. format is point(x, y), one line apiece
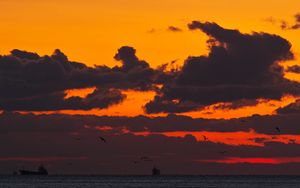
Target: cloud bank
point(239, 68)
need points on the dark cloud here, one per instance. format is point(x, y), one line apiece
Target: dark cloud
point(295, 26)
point(127, 55)
point(29, 81)
point(284, 25)
point(281, 23)
point(57, 101)
point(294, 69)
point(239, 67)
point(297, 17)
point(158, 104)
point(24, 54)
point(14, 122)
point(138, 73)
point(236, 104)
point(54, 137)
point(293, 108)
point(174, 29)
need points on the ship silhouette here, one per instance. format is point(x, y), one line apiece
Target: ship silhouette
point(41, 171)
point(155, 171)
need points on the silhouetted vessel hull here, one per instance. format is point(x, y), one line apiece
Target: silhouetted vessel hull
point(155, 172)
point(41, 172)
point(26, 172)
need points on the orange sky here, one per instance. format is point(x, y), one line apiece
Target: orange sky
point(135, 101)
point(91, 31)
point(253, 160)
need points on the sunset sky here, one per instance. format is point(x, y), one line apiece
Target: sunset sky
point(196, 86)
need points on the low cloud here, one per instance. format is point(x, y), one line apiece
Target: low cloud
point(293, 108)
point(31, 82)
point(296, 25)
point(294, 69)
point(239, 67)
point(69, 144)
point(174, 29)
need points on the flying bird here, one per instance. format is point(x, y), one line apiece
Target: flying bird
point(278, 129)
point(102, 139)
point(204, 137)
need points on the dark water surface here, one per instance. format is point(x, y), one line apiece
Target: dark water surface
point(149, 181)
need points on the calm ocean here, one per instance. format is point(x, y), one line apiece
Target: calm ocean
point(149, 181)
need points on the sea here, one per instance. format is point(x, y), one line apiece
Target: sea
point(149, 181)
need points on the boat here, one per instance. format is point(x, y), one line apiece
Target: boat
point(41, 171)
point(155, 171)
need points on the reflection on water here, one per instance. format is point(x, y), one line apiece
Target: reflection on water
point(150, 181)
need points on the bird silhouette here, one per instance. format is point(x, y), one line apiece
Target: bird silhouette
point(278, 129)
point(204, 137)
point(102, 139)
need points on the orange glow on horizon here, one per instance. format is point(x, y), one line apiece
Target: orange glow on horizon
point(264, 107)
point(135, 101)
point(254, 160)
point(79, 92)
point(229, 138)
